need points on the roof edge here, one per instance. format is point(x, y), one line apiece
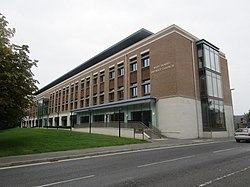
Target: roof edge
point(124, 43)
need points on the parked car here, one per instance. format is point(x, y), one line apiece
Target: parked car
point(242, 134)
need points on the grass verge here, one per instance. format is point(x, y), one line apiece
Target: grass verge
point(20, 141)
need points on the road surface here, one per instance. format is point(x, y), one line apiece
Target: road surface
point(208, 164)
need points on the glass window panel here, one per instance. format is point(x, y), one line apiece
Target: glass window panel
point(199, 52)
point(211, 104)
point(204, 114)
point(145, 62)
point(209, 73)
point(147, 89)
point(212, 62)
point(221, 103)
point(200, 59)
point(207, 57)
point(216, 102)
point(219, 87)
point(217, 62)
point(215, 88)
point(120, 71)
point(133, 67)
point(203, 89)
point(209, 85)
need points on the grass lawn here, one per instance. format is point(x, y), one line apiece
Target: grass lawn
point(20, 141)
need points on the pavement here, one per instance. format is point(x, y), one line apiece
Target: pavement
point(62, 155)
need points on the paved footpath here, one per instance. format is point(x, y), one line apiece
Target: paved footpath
point(62, 155)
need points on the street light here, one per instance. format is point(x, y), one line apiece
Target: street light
point(119, 122)
point(90, 121)
point(70, 120)
point(57, 120)
point(232, 89)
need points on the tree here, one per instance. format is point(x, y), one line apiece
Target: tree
point(17, 84)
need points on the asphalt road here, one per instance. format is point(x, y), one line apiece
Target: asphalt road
point(210, 164)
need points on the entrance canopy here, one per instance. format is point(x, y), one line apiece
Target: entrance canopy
point(133, 110)
point(141, 100)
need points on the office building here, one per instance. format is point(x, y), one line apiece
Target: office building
point(171, 81)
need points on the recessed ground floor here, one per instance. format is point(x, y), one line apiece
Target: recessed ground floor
point(174, 117)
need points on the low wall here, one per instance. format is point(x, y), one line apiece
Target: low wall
point(125, 132)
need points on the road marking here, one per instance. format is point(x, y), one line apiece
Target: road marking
point(25, 165)
point(66, 181)
point(103, 154)
point(223, 150)
point(223, 177)
point(165, 161)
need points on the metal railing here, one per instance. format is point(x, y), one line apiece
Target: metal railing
point(138, 126)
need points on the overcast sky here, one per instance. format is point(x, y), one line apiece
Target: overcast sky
point(63, 34)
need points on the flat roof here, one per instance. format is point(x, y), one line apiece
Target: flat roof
point(128, 41)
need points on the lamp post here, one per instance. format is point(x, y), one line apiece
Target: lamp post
point(71, 120)
point(57, 120)
point(232, 89)
point(119, 122)
point(90, 121)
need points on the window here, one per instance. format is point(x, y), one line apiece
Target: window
point(133, 67)
point(133, 64)
point(216, 61)
point(200, 57)
point(102, 76)
point(111, 96)
point(72, 92)
point(120, 69)
point(84, 119)
point(95, 79)
point(134, 91)
point(146, 88)
point(76, 91)
point(121, 94)
point(97, 118)
point(112, 72)
point(87, 102)
point(207, 57)
point(212, 105)
point(215, 113)
point(211, 59)
point(88, 82)
point(81, 103)
point(82, 89)
point(101, 99)
point(94, 100)
point(214, 85)
point(145, 60)
point(63, 95)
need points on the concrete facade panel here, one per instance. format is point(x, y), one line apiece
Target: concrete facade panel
point(177, 117)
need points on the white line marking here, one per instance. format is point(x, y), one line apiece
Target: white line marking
point(223, 177)
point(110, 154)
point(223, 150)
point(25, 165)
point(66, 181)
point(165, 161)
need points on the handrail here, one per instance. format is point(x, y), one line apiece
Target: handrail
point(149, 130)
point(137, 125)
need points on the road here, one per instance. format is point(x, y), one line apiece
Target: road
point(209, 164)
